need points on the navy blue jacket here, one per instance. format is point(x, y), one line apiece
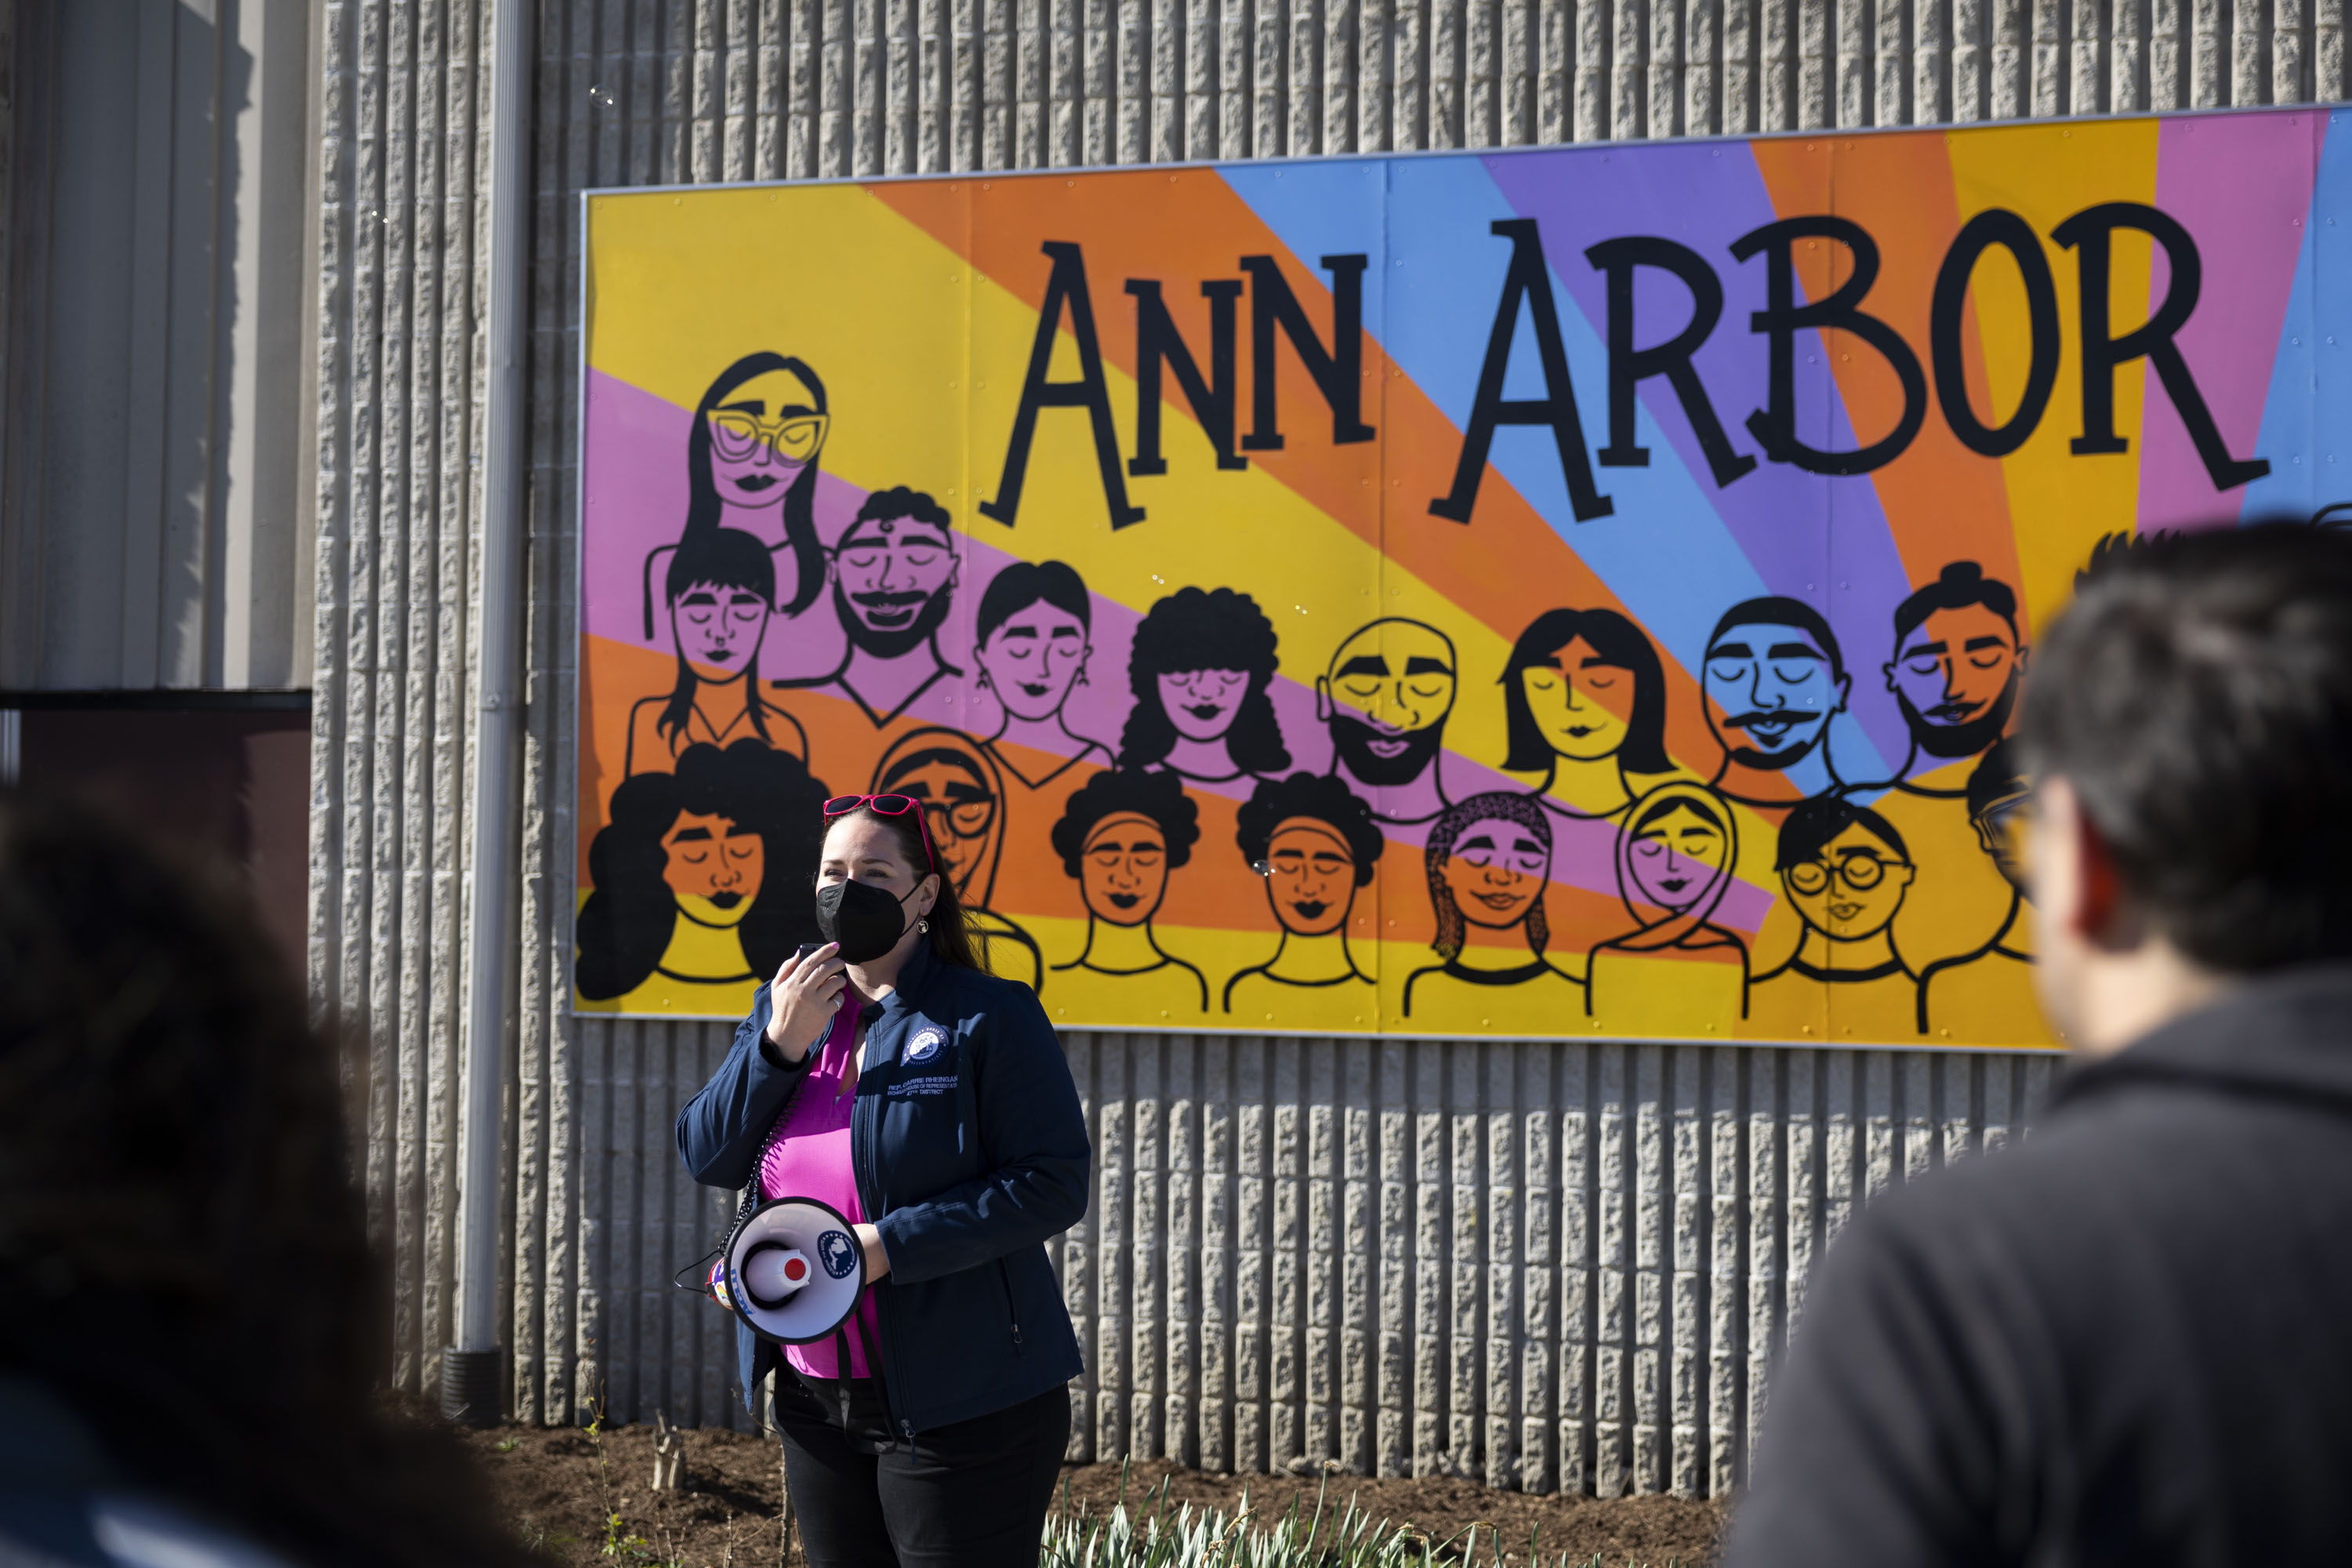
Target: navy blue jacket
point(970, 1150)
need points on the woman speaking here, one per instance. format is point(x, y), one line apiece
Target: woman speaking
point(887, 1075)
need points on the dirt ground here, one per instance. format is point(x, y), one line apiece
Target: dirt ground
point(587, 1499)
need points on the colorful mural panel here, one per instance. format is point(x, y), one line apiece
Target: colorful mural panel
point(1577, 592)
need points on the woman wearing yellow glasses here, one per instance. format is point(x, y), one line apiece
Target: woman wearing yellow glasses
point(752, 464)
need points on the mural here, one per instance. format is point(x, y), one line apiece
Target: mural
point(1565, 592)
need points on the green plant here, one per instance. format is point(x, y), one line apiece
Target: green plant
point(1183, 1537)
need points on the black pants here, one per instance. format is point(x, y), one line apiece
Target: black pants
point(973, 1495)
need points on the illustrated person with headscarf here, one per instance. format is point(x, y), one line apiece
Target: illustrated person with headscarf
point(1200, 669)
point(1958, 672)
point(1123, 834)
point(1314, 841)
point(752, 464)
point(1845, 871)
point(1488, 861)
point(1677, 973)
point(697, 883)
point(721, 590)
point(962, 799)
point(1584, 703)
point(1385, 699)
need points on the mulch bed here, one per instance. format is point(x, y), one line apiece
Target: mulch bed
point(586, 1500)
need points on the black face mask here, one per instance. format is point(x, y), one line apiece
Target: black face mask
point(866, 921)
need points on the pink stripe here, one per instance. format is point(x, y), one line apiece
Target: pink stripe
point(2242, 185)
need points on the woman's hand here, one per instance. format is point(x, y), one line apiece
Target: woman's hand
point(878, 1262)
point(802, 1000)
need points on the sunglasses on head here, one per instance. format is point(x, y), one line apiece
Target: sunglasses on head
point(887, 806)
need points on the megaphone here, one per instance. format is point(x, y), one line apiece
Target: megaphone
point(792, 1270)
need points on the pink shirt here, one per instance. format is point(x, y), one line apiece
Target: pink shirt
point(808, 1157)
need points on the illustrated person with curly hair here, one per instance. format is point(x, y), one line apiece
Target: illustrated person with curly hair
point(1314, 841)
point(699, 881)
point(1121, 835)
point(191, 1325)
point(1488, 861)
point(1200, 666)
point(721, 586)
point(751, 466)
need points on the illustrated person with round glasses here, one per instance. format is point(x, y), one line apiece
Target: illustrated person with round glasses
point(752, 464)
point(1845, 872)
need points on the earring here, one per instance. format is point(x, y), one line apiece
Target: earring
point(923, 925)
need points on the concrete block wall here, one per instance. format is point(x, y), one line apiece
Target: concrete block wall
point(1553, 1265)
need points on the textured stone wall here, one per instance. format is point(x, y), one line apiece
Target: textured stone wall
point(1547, 1265)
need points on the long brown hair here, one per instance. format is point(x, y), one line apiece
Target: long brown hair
point(950, 934)
point(183, 1260)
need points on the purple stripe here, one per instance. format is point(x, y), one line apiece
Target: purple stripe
point(2242, 184)
point(1821, 540)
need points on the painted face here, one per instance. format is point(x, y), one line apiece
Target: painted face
point(1496, 872)
point(762, 434)
point(2002, 829)
point(890, 575)
point(719, 628)
point(1032, 659)
point(1676, 859)
point(1386, 699)
point(1310, 876)
point(1770, 694)
point(714, 867)
point(1955, 675)
point(960, 810)
point(1580, 701)
point(1123, 872)
point(1202, 703)
point(1853, 889)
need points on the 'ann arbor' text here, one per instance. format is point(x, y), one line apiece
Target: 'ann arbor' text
point(1335, 364)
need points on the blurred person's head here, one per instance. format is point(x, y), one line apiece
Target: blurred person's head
point(183, 1259)
point(2189, 731)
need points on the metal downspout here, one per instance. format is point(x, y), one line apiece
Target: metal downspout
point(471, 1370)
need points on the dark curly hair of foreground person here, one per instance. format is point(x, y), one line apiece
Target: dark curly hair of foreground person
point(184, 1265)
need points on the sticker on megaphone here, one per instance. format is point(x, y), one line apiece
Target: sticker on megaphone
point(792, 1270)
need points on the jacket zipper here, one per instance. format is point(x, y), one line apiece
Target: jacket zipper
point(863, 1113)
point(1004, 1277)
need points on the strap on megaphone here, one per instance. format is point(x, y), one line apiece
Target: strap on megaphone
point(700, 1268)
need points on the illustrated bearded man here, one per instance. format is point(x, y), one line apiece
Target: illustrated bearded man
point(1385, 699)
point(893, 577)
point(1957, 662)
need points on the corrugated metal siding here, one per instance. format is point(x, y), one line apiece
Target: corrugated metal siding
point(152, 532)
point(1543, 1266)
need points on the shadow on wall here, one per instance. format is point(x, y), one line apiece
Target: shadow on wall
point(235, 783)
